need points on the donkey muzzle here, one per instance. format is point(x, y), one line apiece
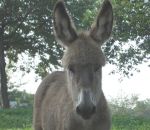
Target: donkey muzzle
point(86, 106)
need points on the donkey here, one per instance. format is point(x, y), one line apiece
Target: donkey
point(73, 99)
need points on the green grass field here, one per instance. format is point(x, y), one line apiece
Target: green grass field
point(21, 119)
point(16, 119)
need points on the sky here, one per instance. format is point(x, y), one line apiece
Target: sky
point(138, 84)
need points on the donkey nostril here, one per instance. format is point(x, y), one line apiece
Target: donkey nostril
point(78, 110)
point(93, 109)
point(90, 110)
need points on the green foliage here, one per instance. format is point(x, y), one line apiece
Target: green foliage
point(130, 41)
point(28, 29)
point(131, 31)
point(21, 97)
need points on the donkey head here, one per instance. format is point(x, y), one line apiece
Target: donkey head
point(83, 58)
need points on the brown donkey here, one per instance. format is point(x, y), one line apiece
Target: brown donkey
point(73, 99)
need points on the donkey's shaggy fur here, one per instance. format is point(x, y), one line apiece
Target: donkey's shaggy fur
point(73, 99)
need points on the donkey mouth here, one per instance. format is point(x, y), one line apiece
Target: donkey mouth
point(86, 116)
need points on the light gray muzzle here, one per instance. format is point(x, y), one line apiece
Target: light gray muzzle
point(86, 106)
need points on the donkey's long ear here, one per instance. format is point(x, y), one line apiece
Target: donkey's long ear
point(63, 27)
point(103, 26)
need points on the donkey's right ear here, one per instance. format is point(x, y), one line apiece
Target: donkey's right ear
point(101, 30)
point(64, 29)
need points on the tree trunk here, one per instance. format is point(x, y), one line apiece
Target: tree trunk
point(3, 76)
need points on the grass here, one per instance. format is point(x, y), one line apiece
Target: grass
point(16, 119)
point(21, 119)
point(127, 122)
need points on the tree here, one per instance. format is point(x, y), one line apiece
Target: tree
point(3, 78)
point(25, 27)
point(130, 41)
point(131, 31)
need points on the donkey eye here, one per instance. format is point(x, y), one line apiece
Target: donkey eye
point(71, 68)
point(97, 67)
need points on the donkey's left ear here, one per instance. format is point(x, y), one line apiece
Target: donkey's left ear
point(101, 30)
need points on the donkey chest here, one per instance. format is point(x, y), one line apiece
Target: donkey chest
point(75, 123)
